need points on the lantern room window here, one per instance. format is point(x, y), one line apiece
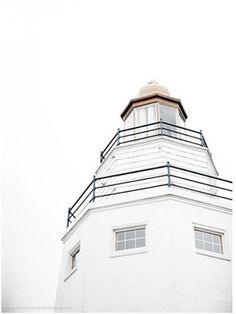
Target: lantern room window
point(168, 114)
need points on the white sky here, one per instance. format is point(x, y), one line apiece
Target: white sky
point(68, 69)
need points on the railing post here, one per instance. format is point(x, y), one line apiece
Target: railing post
point(68, 218)
point(168, 173)
point(161, 125)
point(94, 188)
point(118, 136)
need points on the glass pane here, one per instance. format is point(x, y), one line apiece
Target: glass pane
point(198, 235)
point(120, 246)
point(217, 248)
point(217, 239)
point(130, 244)
point(142, 116)
point(140, 242)
point(199, 244)
point(74, 259)
point(140, 233)
point(73, 263)
point(120, 236)
point(208, 237)
point(130, 234)
point(168, 114)
point(208, 246)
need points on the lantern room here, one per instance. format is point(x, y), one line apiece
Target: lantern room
point(153, 104)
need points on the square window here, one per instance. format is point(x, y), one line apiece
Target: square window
point(129, 239)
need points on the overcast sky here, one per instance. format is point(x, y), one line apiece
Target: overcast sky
point(68, 69)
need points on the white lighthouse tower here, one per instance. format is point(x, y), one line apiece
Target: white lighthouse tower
point(152, 231)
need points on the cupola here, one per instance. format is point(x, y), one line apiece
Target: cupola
point(152, 104)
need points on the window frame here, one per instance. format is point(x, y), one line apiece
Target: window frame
point(217, 231)
point(115, 229)
point(69, 270)
point(74, 255)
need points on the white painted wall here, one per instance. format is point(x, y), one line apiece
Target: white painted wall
point(170, 276)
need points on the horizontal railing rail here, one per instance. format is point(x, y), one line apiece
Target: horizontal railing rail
point(150, 178)
point(150, 130)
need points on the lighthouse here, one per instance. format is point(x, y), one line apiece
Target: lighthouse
point(152, 230)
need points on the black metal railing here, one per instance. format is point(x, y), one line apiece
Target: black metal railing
point(152, 130)
point(150, 178)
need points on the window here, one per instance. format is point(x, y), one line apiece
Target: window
point(208, 241)
point(212, 241)
point(130, 239)
point(168, 115)
point(145, 115)
point(74, 259)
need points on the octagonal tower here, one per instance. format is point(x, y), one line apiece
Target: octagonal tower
point(152, 231)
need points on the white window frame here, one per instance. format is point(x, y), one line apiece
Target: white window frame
point(115, 229)
point(145, 107)
point(224, 239)
point(69, 270)
point(147, 129)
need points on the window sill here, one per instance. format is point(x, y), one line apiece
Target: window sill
point(129, 252)
point(215, 255)
point(70, 274)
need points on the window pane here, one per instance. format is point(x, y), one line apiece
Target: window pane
point(168, 114)
point(217, 248)
point(130, 239)
point(130, 234)
point(198, 235)
point(120, 236)
point(140, 242)
point(130, 244)
point(208, 246)
point(217, 239)
point(140, 233)
point(208, 237)
point(199, 244)
point(120, 246)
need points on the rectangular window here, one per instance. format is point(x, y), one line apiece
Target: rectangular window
point(130, 239)
point(74, 258)
point(168, 114)
point(208, 240)
point(72, 261)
